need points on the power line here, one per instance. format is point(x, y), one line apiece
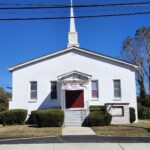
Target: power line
point(42, 6)
point(92, 16)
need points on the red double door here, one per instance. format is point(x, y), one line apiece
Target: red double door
point(74, 99)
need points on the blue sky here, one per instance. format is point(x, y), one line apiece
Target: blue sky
point(23, 40)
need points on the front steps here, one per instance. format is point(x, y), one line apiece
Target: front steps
point(75, 117)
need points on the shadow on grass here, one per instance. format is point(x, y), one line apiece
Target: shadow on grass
point(131, 127)
point(33, 126)
point(148, 129)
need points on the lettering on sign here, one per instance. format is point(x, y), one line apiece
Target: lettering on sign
point(73, 84)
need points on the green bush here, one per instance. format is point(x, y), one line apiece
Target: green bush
point(143, 112)
point(2, 108)
point(14, 116)
point(145, 101)
point(140, 111)
point(146, 113)
point(32, 118)
point(0, 117)
point(102, 109)
point(132, 115)
point(50, 118)
point(96, 118)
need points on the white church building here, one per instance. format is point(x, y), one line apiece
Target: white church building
point(75, 79)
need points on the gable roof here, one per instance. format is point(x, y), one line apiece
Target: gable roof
point(36, 60)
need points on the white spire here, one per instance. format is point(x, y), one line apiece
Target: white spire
point(72, 21)
point(72, 35)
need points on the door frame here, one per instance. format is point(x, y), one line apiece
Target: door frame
point(74, 108)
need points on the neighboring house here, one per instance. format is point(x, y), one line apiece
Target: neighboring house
point(74, 79)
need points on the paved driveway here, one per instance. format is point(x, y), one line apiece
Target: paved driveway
point(79, 146)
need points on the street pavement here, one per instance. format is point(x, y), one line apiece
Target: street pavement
point(78, 146)
point(74, 139)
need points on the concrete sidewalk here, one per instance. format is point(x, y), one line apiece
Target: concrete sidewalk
point(77, 131)
point(78, 146)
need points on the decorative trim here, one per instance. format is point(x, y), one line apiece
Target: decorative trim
point(74, 72)
point(117, 99)
point(32, 101)
point(94, 100)
point(117, 103)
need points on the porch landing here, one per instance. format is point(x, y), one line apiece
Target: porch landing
point(77, 131)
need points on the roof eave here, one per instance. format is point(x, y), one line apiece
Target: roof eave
point(67, 49)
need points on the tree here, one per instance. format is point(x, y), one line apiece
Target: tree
point(137, 50)
point(4, 99)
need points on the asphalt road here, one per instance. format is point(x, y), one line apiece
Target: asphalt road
point(75, 139)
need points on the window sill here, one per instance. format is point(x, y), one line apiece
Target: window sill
point(117, 99)
point(94, 99)
point(117, 116)
point(32, 101)
point(53, 99)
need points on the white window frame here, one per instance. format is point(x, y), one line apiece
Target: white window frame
point(56, 90)
point(117, 98)
point(34, 99)
point(94, 98)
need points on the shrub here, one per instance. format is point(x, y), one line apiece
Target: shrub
point(144, 101)
point(3, 108)
point(96, 118)
point(102, 109)
point(50, 118)
point(140, 111)
point(143, 112)
point(0, 117)
point(14, 116)
point(146, 113)
point(32, 118)
point(132, 114)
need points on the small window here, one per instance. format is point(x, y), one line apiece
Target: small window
point(117, 89)
point(33, 88)
point(94, 89)
point(53, 90)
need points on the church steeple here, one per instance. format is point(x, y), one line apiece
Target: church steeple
point(72, 35)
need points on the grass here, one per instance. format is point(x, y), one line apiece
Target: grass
point(142, 128)
point(28, 131)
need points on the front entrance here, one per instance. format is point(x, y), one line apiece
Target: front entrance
point(74, 98)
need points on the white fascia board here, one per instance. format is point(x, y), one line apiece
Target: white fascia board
point(109, 58)
point(68, 49)
point(38, 59)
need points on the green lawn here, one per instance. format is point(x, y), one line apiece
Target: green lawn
point(142, 128)
point(27, 131)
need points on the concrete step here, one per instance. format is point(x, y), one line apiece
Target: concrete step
point(74, 117)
